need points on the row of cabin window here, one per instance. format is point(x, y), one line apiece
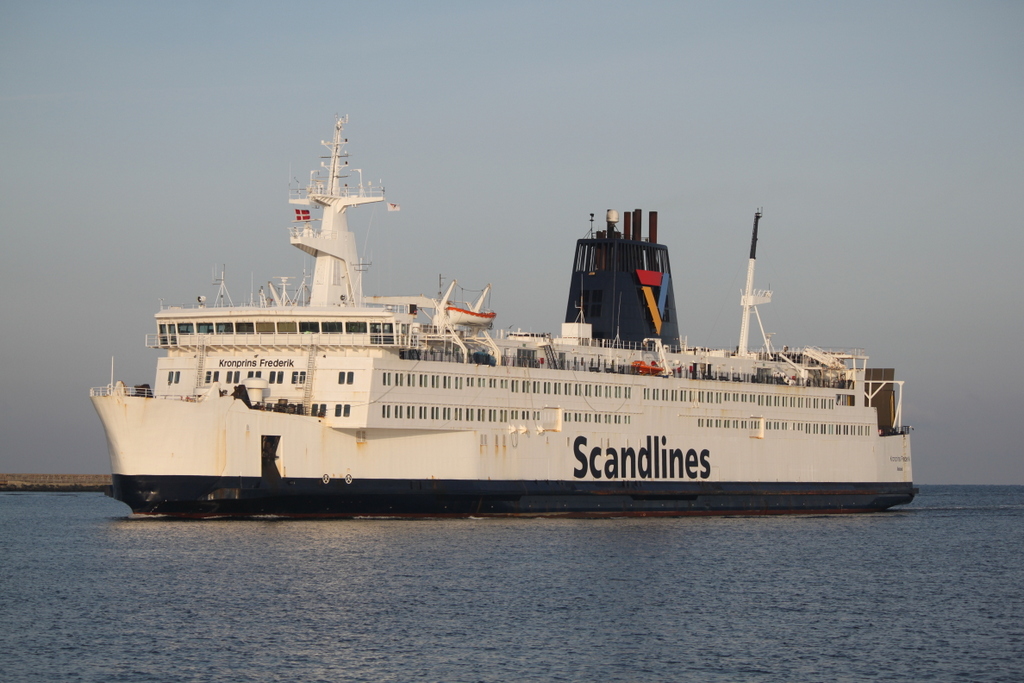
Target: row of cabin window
point(340, 409)
point(233, 376)
point(654, 394)
point(276, 376)
point(570, 389)
point(281, 327)
point(399, 379)
point(400, 411)
point(806, 427)
point(598, 418)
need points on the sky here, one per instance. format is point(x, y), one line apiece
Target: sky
point(145, 144)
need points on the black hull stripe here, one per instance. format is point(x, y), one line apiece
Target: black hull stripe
point(185, 496)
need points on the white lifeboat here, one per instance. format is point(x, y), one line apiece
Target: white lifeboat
point(463, 316)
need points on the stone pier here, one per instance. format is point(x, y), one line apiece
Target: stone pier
point(54, 482)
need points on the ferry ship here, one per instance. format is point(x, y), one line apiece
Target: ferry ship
point(322, 402)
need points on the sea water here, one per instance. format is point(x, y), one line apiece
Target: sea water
point(928, 592)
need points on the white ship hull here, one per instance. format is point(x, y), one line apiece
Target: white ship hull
point(206, 457)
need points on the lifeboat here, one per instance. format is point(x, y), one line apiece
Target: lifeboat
point(462, 316)
point(642, 368)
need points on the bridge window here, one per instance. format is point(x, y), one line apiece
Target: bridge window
point(186, 328)
point(355, 327)
point(306, 326)
point(333, 327)
point(204, 328)
point(287, 327)
point(225, 328)
point(245, 328)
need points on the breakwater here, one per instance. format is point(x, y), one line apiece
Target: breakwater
point(54, 482)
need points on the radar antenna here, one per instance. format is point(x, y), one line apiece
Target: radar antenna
point(222, 291)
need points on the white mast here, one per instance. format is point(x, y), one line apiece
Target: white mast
point(337, 280)
point(750, 298)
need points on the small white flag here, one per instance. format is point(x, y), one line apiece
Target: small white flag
point(394, 207)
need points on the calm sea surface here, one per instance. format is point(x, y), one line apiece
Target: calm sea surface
point(930, 592)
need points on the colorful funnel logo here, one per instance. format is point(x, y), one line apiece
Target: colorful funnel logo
point(654, 286)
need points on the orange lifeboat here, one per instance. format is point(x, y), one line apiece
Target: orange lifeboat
point(642, 368)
